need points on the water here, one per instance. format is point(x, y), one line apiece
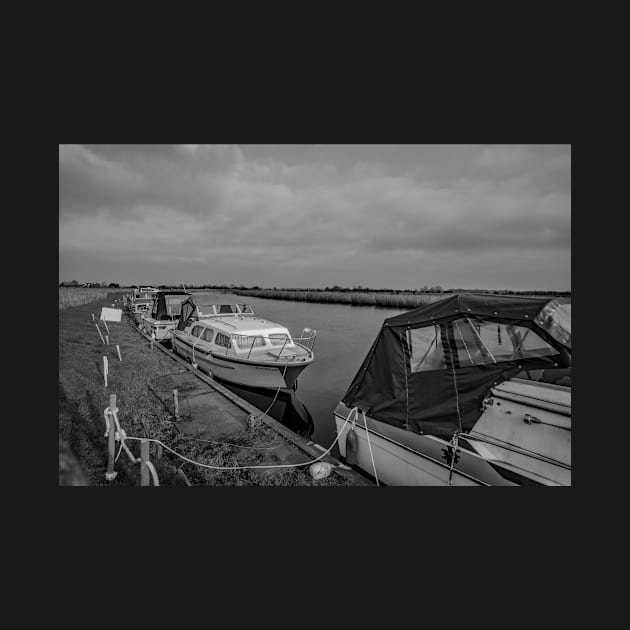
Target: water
point(345, 333)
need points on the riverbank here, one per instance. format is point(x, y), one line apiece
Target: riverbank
point(211, 428)
point(355, 298)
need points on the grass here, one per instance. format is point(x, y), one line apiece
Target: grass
point(75, 296)
point(392, 300)
point(143, 384)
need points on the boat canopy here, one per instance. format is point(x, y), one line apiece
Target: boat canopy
point(429, 369)
point(167, 304)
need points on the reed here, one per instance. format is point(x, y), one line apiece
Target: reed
point(75, 296)
point(355, 298)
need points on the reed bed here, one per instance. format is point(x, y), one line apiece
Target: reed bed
point(74, 296)
point(355, 298)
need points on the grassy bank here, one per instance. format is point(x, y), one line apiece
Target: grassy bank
point(391, 300)
point(75, 296)
point(143, 384)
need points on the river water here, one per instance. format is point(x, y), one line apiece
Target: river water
point(344, 335)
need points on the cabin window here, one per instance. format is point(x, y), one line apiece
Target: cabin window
point(196, 331)
point(226, 308)
point(244, 342)
point(245, 308)
point(473, 342)
point(222, 340)
point(208, 334)
point(278, 339)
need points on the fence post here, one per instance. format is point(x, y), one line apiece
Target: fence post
point(106, 326)
point(118, 350)
point(111, 444)
point(144, 457)
point(100, 334)
point(105, 369)
point(107, 340)
point(176, 404)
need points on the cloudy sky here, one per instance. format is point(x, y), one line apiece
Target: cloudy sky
point(382, 216)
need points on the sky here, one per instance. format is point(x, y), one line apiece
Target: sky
point(378, 216)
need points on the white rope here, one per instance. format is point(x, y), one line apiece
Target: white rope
point(454, 443)
point(106, 414)
point(277, 391)
point(194, 344)
point(367, 433)
point(245, 467)
point(151, 467)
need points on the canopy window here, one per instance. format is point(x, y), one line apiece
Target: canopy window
point(472, 342)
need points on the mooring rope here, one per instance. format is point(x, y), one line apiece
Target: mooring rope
point(367, 433)
point(186, 459)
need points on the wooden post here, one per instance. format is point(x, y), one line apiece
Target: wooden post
point(176, 404)
point(118, 351)
point(107, 340)
point(93, 317)
point(111, 444)
point(106, 327)
point(144, 457)
point(105, 369)
point(100, 334)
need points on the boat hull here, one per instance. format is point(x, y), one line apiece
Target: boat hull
point(250, 374)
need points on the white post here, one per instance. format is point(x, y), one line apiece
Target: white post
point(106, 326)
point(105, 369)
point(100, 334)
point(118, 350)
point(107, 339)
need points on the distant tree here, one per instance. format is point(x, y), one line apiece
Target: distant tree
point(114, 284)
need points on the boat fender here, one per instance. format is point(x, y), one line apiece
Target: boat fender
point(253, 421)
point(351, 447)
point(320, 470)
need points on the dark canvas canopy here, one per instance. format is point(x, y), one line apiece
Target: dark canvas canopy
point(188, 309)
point(429, 369)
point(167, 304)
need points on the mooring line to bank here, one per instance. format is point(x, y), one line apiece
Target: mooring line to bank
point(244, 467)
point(120, 435)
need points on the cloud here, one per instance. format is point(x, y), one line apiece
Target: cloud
point(215, 205)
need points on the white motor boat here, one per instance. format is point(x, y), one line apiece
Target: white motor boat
point(229, 342)
point(471, 390)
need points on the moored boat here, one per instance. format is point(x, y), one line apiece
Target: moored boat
point(472, 390)
point(163, 317)
point(229, 342)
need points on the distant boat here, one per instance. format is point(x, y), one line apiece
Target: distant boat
point(230, 342)
point(140, 302)
point(471, 390)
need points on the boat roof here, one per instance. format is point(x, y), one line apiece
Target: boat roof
point(512, 307)
point(237, 324)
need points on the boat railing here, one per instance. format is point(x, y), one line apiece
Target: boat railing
point(308, 337)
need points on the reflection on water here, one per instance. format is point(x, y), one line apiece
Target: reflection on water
point(286, 408)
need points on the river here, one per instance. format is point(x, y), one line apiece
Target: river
point(344, 335)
